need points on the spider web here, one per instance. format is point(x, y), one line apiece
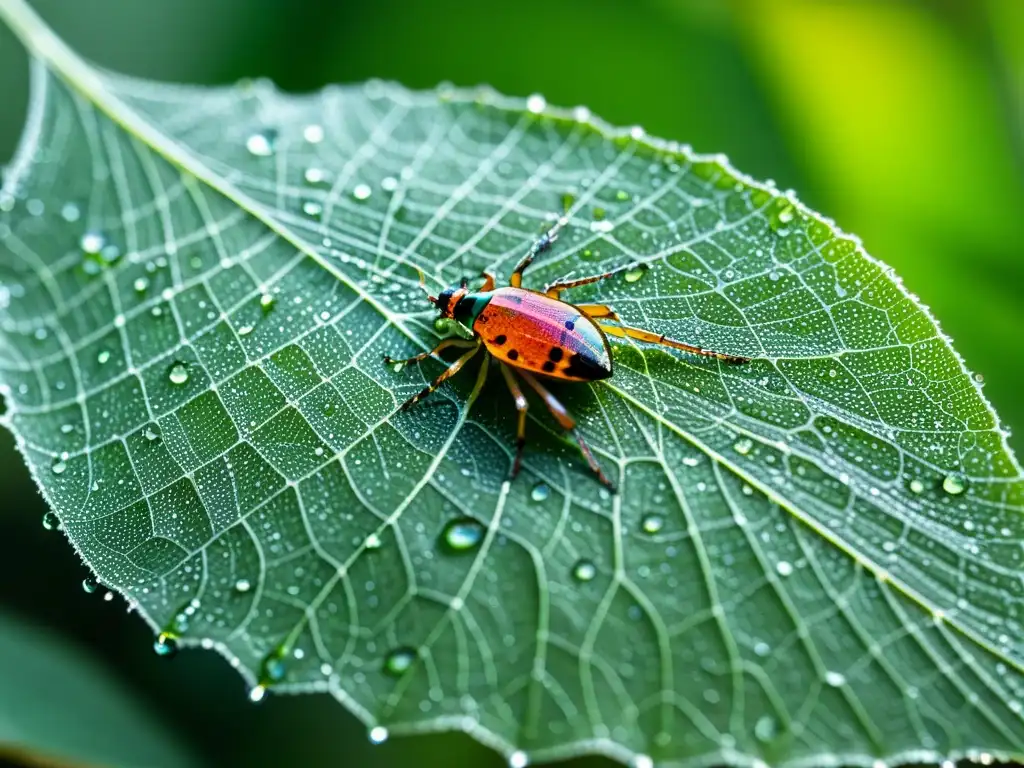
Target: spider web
point(814, 558)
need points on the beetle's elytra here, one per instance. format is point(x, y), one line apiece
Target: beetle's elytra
point(533, 335)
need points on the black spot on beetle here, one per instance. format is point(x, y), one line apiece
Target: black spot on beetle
point(555, 354)
point(500, 339)
point(586, 367)
point(570, 325)
point(548, 366)
point(513, 354)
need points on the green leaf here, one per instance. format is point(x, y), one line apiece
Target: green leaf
point(59, 707)
point(815, 558)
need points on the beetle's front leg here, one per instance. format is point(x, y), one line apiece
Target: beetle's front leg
point(448, 372)
point(445, 344)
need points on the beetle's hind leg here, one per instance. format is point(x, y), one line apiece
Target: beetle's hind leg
point(448, 372)
point(521, 407)
point(629, 332)
point(445, 344)
point(568, 423)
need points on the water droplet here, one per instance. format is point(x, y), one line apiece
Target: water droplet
point(59, 464)
point(50, 521)
point(312, 208)
point(261, 144)
point(784, 568)
point(257, 694)
point(373, 541)
point(786, 215)
point(598, 214)
point(635, 273)
point(518, 759)
point(266, 301)
point(835, 679)
point(743, 446)
point(916, 486)
point(313, 133)
point(273, 668)
point(584, 570)
point(652, 523)
point(399, 661)
point(103, 356)
point(362, 191)
point(315, 175)
point(389, 183)
point(242, 586)
point(166, 644)
point(536, 103)
point(462, 534)
point(954, 485)
point(140, 285)
point(151, 433)
point(762, 649)
point(602, 227)
point(378, 734)
point(540, 492)
point(92, 242)
point(90, 584)
point(567, 200)
point(67, 429)
point(70, 212)
point(765, 728)
point(178, 373)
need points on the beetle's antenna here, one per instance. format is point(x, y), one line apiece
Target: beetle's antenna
point(423, 285)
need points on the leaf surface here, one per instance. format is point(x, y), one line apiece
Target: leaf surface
point(814, 558)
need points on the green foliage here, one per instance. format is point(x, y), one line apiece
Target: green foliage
point(813, 558)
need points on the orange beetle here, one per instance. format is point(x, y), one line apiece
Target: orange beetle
point(534, 334)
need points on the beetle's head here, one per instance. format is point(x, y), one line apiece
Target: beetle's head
point(449, 298)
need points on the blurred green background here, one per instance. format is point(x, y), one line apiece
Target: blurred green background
point(903, 120)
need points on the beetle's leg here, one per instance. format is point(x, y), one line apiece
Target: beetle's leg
point(597, 311)
point(448, 372)
point(629, 332)
point(567, 422)
point(521, 406)
point(542, 244)
point(555, 288)
point(445, 343)
point(488, 283)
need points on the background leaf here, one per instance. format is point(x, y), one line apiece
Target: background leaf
point(60, 707)
point(738, 417)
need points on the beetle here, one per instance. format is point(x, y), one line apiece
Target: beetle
point(535, 335)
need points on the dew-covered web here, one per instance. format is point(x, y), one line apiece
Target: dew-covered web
point(814, 558)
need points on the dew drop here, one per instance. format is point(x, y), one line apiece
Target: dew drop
point(315, 175)
point(652, 523)
point(166, 644)
point(567, 200)
point(536, 103)
point(312, 208)
point(916, 486)
point(598, 214)
point(266, 301)
point(50, 521)
point(622, 195)
point(242, 586)
point(765, 728)
point(540, 492)
point(70, 212)
point(90, 585)
point(103, 356)
point(584, 570)
point(762, 649)
point(634, 273)
point(261, 144)
point(313, 133)
point(378, 734)
point(59, 464)
point(178, 373)
point(92, 242)
point(151, 433)
point(462, 534)
point(399, 661)
point(743, 446)
point(835, 679)
point(67, 429)
point(518, 759)
point(373, 541)
point(273, 668)
point(784, 568)
point(601, 226)
point(643, 761)
point(257, 694)
point(954, 485)
point(362, 191)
